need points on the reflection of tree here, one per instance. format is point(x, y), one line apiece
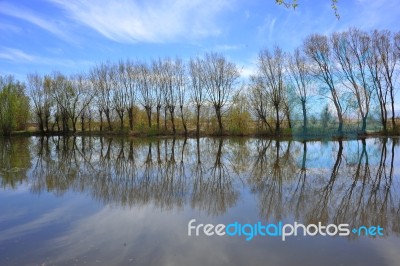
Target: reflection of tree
point(320, 211)
point(361, 186)
point(271, 177)
point(15, 160)
point(214, 191)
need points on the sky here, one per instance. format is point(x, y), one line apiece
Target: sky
point(72, 36)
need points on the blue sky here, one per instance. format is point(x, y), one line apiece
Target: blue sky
point(71, 36)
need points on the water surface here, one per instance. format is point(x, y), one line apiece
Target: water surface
point(120, 201)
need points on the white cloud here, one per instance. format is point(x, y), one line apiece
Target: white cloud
point(15, 55)
point(19, 56)
point(147, 21)
point(27, 15)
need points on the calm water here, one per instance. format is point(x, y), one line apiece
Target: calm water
point(103, 201)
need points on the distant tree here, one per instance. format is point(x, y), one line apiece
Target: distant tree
point(14, 105)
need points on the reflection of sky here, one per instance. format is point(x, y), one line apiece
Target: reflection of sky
point(74, 230)
point(79, 228)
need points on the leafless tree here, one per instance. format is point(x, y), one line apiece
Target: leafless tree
point(351, 50)
point(80, 97)
point(146, 90)
point(259, 101)
point(41, 98)
point(159, 83)
point(389, 58)
point(120, 87)
point(271, 72)
point(319, 51)
point(197, 87)
point(181, 83)
point(129, 77)
point(301, 78)
point(100, 77)
point(377, 79)
point(220, 77)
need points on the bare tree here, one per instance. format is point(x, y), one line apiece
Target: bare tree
point(389, 58)
point(119, 82)
point(146, 90)
point(271, 70)
point(259, 100)
point(100, 77)
point(130, 77)
point(318, 50)
point(171, 91)
point(377, 79)
point(181, 82)
point(197, 88)
point(41, 98)
point(351, 50)
point(220, 77)
point(159, 87)
point(80, 96)
point(300, 77)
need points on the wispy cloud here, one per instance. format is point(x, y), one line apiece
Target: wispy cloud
point(15, 55)
point(18, 56)
point(228, 47)
point(31, 17)
point(147, 21)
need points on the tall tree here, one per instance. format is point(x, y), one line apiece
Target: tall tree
point(351, 50)
point(389, 59)
point(196, 75)
point(271, 71)
point(41, 98)
point(319, 51)
point(300, 77)
point(220, 80)
point(146, 90)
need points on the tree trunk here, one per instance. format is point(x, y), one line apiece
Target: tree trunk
point(364, 125)
point(303, 104)
point(219, 118)
point(148, 112)
point(198, 121)
point(183, 121)
point(101, 121)
point(82, 123)
point(277, 122)
point(107, 112)
point(158, 116)
point(130, 116)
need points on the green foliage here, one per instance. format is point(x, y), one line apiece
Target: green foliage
point(294, 4)
point(14, 105)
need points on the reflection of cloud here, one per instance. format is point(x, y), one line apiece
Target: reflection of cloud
point(115, 236)
point(41, 222)
point(149, 21)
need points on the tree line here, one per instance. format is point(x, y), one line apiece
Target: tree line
point(348, 76)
